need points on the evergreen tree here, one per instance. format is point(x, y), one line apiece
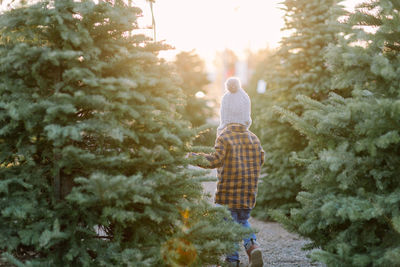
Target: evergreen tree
point(92, 151)
point(268, 62)
point(301, 69)
point(351, 204)
point(191, 69)
point(264, 62)
point(193, 79)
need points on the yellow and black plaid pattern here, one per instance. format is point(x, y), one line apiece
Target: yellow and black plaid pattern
point(238, 157)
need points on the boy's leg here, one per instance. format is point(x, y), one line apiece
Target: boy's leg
point(243, 216)
point(250, 243)
point(234, 257)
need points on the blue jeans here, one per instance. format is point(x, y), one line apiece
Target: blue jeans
point(241, 216)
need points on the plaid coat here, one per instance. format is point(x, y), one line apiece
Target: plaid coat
point(238, 157)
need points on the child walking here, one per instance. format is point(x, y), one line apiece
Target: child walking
point(238, 157)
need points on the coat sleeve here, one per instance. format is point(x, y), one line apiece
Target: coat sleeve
point(216, 159)
point(262, 156)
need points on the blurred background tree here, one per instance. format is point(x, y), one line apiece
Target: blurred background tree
point(197, 109)
point(190, 68)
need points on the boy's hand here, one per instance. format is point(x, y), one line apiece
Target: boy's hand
point(191, 154)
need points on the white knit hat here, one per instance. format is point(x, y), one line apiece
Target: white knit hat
point(235, 105)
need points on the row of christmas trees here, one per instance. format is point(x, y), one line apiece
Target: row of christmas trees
point(330, 123)
point(92, 144)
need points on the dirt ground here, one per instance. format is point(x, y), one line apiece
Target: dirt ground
point(279, 247)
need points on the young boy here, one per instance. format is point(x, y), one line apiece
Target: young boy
point(238, 157)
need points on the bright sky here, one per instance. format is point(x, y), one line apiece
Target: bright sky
point(212, 25)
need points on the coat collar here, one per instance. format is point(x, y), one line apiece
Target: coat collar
point(236, 127)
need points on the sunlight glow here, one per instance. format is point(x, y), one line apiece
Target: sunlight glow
point(209, 26)
point(214, 25)
point(200, 94)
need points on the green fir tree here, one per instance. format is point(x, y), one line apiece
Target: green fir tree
point(193, 79)
point(265, 63)
point(92, 151)
point(350, 207)
point(299, 68)
point(191, 69)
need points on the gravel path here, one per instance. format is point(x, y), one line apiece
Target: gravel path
point(279, 247)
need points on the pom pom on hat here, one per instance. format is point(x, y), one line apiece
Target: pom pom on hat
point(233, 84)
